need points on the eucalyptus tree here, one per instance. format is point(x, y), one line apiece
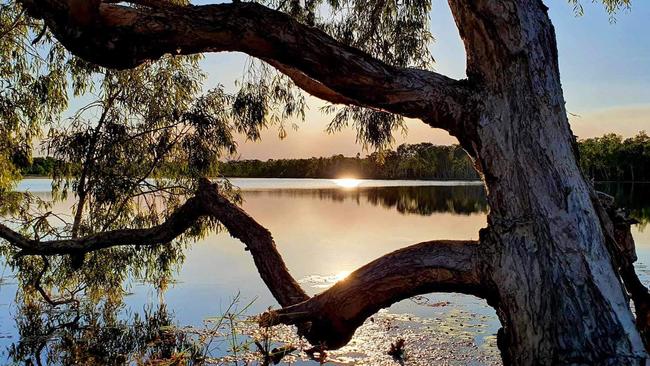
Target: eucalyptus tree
point(117, 153)
point(551, 260)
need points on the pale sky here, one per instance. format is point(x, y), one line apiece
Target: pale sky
point(605, 70)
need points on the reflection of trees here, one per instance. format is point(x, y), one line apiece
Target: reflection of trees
point(635, 197)
point(429, 200)
point(72, 312)
point(95, 335)
point(407, 200)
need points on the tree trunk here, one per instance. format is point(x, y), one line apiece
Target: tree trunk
point(556, 290)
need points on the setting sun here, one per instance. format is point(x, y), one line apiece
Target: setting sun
point(347, 182)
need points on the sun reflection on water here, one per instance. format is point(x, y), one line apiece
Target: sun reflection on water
point(341, 276)
point(324, 282)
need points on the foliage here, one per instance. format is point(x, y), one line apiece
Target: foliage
point(606, 158)
point(39, 166)
point(611, 6)
point(612, 158)
point(106, 155)
point(34, 78)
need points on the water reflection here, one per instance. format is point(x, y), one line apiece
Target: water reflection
point(59, 313)
point(131, 300)
point(406, 200)
point(97, 336)
point(347, 182)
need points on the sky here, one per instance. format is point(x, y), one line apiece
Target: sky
point(604, 65)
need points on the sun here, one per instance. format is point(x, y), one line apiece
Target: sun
point(347, 182)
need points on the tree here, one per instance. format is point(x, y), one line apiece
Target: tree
point(552, 261)
point(611, 158)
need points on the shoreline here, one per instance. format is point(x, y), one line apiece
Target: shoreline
point(367, 179)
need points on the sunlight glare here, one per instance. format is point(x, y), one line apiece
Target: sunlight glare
point(341, 275)
point(347, 182)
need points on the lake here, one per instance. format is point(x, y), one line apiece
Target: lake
point(324, 229)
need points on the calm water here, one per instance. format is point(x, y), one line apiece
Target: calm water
point(324, 229)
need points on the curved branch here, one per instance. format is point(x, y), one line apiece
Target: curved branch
point(328, 319)
point(184, 217)
point(207, 202)
point(261, 245)
point(120, 36)
point(435, 266)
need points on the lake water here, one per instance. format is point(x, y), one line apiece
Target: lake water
point(323, 229)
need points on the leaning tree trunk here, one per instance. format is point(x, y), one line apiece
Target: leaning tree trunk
point(555, 288)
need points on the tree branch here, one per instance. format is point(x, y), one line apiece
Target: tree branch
point(328, 319)
point(207, 202)
point(435, 266)
point(123, 37)
point(174, 226)
point(261, 245)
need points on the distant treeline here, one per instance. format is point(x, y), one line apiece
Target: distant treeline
point(613, 158)
point(418, 161)
point(606, 158)
point(39, 166)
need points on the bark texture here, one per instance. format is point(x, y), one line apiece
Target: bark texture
point(334, 315)
point(556, 289)
point(549, 260)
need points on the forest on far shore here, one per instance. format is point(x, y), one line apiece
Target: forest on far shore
point(607, 158)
